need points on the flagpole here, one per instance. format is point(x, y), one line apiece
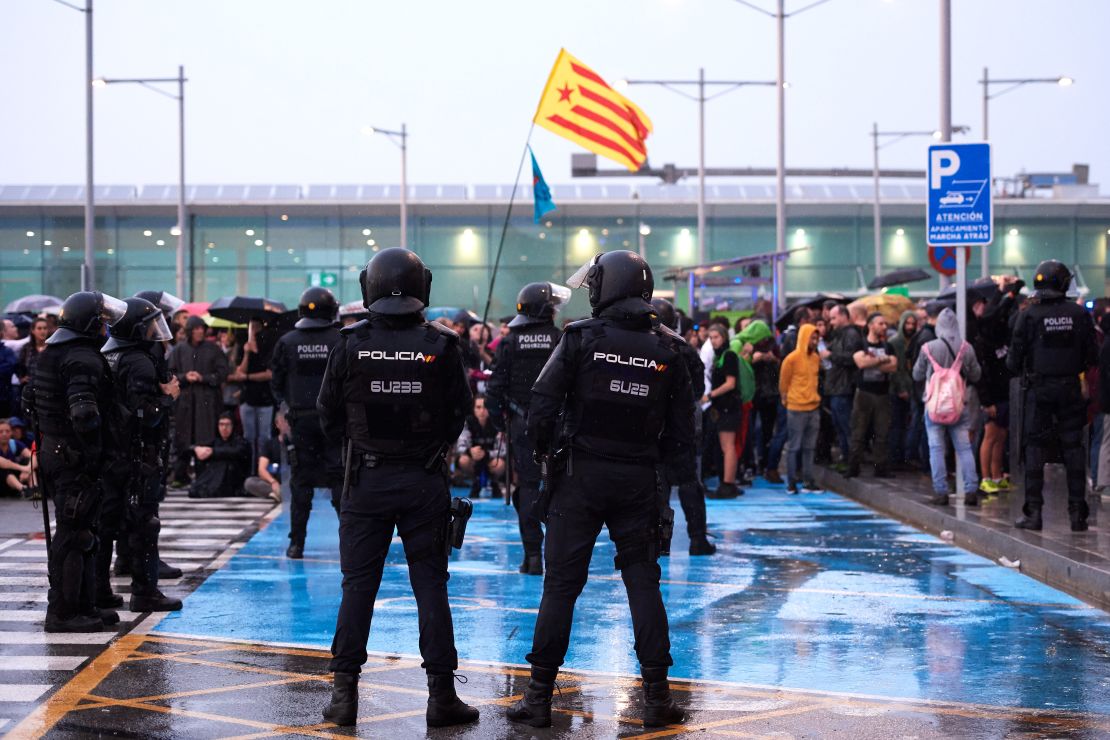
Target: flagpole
point(505, 226)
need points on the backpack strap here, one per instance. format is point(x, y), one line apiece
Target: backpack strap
point(934, 363)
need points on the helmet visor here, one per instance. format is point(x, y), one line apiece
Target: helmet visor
point(560, 295)
point(580, 279)
point(111, 309)
point(157, 330)
point(170, 303)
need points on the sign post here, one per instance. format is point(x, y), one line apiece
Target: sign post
point(960, 209)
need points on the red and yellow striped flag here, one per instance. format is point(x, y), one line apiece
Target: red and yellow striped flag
point(578, 105)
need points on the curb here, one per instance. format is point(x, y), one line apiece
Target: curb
point(1087, 579)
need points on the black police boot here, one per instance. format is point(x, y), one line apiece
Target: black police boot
point(296, 550)
point(79, 623)
point(534, 708)
point(123, 566)
point(1030, 521)
point(108, 600)
point(343, 709)
point(1078, 523)
point(108, 617)
point(154, 602)
point(167, 571)
point(444, 706)
point(659, 707)
point(702, 546)
point(532, 565)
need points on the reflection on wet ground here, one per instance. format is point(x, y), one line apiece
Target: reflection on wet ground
point(815, 617)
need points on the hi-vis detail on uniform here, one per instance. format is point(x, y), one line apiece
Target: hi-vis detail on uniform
point(959, 204)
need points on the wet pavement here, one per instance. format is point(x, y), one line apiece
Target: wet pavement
point(817, 617)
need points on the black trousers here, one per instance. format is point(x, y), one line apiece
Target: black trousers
point(691, 496)
point(315, 464)
point(72, 558)
point(415, 502)
point(621, 497)
point(528, 475)
point(1055, 414)
point(135, 523)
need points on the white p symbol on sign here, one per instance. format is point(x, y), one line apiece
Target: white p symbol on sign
point(944, 163)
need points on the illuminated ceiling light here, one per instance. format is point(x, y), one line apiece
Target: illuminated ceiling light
point(523, 258)
point(717, 268)
point(258, 242)
point(249, 232)
point(626, 243)
point(900, 232)
point(148, 232)
point(297, 259)
point(584, 233)
point(175, 231)
point(111, 251)
point(290, 250)
point(161, 242)
point(285, 217)
point(1014, 232)
point(269, 249)
point(686, 232)
point(211, 245)
point(65, 249)
point(620, 221)
point(26, 251)
point(215, 259)
point(366, 232)
point(30, 233)
point(547, 224)
point(370, 242)
point(48, 243)
point(644, 229)
point(605, 232)
point(800, 232)
point(374, 249)
point(543, 235)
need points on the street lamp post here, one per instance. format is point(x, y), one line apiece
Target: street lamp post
point(644, 231)
point(701, 83)
point(182, 219)
point(400, 139)
point(1010, 85)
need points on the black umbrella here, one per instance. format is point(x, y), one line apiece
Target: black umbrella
point(983, 288)
point(33, 304)
point(898, 277)
point(816, 302)
point(241, 309)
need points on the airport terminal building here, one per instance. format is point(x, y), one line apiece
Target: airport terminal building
point(275, 240)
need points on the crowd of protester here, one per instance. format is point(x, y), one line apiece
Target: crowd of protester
point(837, 385)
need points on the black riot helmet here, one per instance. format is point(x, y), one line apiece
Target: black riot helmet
point(317, 309)
point(142, 322)
point(84, 314)
point(396, 282)
point(612, 276)
point(538, 302)
point(168, 303)
point(664, 309)
point(1052, 280)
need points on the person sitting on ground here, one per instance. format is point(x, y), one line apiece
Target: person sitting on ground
point(266, 483)
point(798, 389)
point(223, 466)
point(481, 449)
point(944, 350)
point(15, 462)
point(20, 432)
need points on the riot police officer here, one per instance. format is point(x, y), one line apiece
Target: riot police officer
point(691, 495)
point(1053, 342)
point(623, 394)
point(520, 357)
point(69, 395)
point(396, 392)
point(132, 482)
point(298, 365)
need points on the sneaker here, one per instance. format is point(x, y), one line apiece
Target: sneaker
point(939, 499)
point(772, 476)
point(811, 486)
point(792, 488)
point(1003, 485)
point(989, 487)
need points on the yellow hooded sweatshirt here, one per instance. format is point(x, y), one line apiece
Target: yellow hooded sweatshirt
point(798, 375)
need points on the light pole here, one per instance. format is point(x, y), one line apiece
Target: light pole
point(1010, 85)
point(895, 136)
point(780, 15)
point(644, 231)
point(182, 219)
point(701, 83)
point(401, 139)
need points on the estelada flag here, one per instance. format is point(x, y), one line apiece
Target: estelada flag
point(578, 105)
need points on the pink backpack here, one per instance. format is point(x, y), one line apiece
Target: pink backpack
point(944, 395)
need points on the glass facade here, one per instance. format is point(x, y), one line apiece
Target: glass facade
point(276, 251)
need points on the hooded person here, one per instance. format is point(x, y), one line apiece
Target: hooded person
point(766, 403)
point(798, 388)
point(201, 368)
point(942, 352)
point(901, 387)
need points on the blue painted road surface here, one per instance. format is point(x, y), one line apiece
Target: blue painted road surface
point(809, 593)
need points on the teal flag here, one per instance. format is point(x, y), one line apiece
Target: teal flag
point(540, 192)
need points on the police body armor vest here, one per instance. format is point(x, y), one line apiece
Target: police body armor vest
point(396, 390)
point(51, 396)
point(135, 371)
point(306, 357)
point(485, 437)
point(1055, 339)
point(532, 345)
point(619, 401)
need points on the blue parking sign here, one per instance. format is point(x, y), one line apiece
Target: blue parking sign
point(959, 209)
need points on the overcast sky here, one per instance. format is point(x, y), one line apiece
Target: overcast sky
point(278, 90)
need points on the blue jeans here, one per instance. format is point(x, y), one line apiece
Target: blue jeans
point(916, 440)
point(958, 433)
point(840, 408)
point(256, 426)
point(803, 427)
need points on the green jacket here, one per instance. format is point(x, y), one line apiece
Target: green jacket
point(746, 381)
